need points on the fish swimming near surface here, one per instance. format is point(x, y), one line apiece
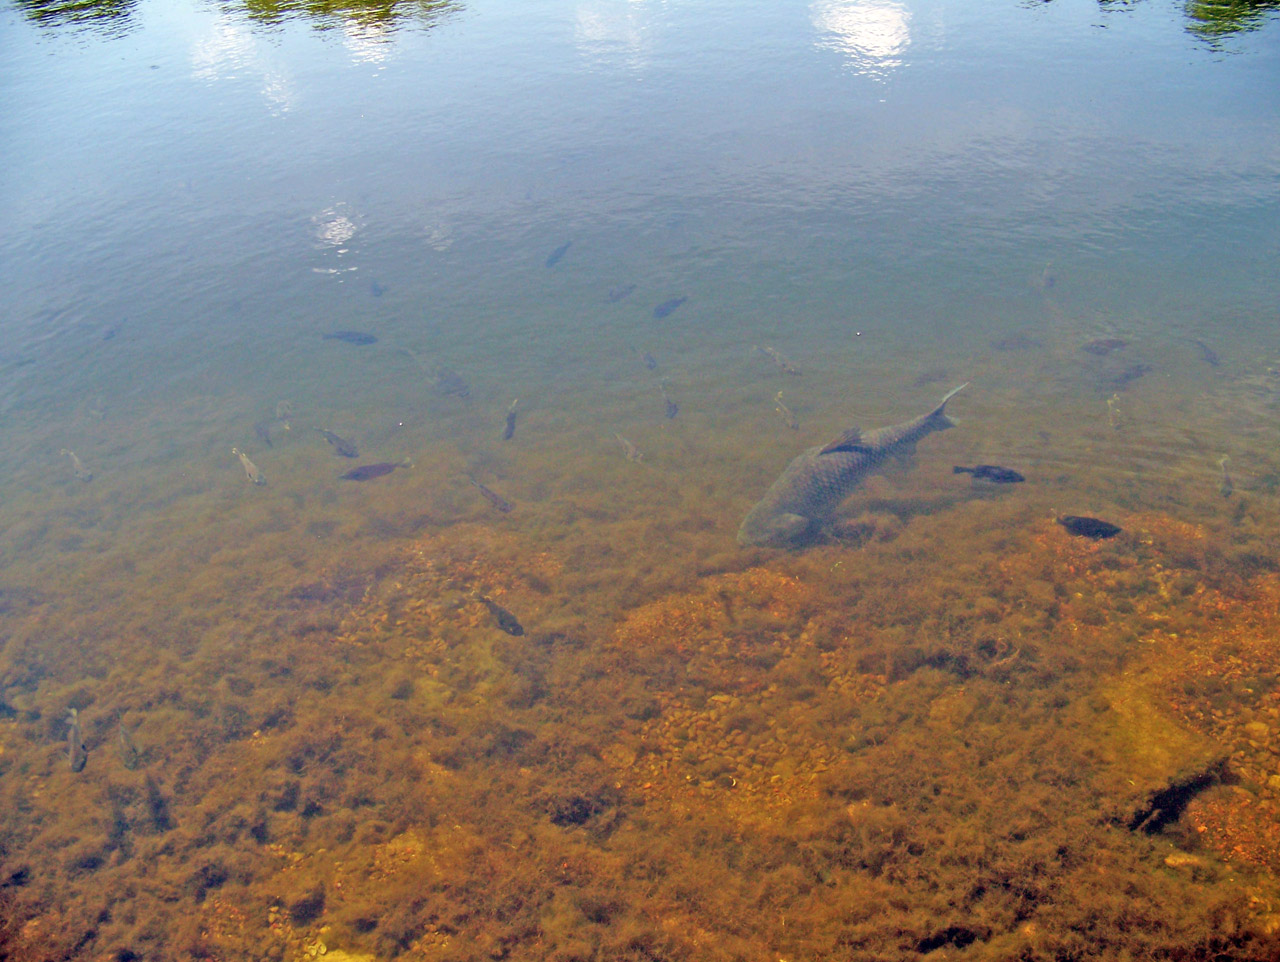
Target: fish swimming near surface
point(1018, 341)
point(77, 754)
point(558, 253)
point(77, 466)
point(1207, 354)
point(1086, 527)
point(630, 450)
point(808, 492)
point(778, 359)
point(787, 415)
point(618, 293)
point(667, 307)
point(509, 431)
point(358, 338)
point(506, 620)
point(265, 428)
point(126, 748)
point(367, 472)
point(672, 409)
point(1102, 346)
point(1122, 377)
point(451, 383)
point(495, 499)
point(990, 472)
point(340, 444)
point(251, 470)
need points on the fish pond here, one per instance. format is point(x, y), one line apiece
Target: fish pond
point(384, 386)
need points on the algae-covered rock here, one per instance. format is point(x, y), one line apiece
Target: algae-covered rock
point(1154, 765)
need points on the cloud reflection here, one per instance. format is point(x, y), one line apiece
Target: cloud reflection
point(872, 34)
point(612, 32)
point(228, 51)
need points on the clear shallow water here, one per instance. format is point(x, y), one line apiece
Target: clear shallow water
point(897, 197)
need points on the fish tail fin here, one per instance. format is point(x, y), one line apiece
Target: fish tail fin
point(939, 414)
point(959, 470)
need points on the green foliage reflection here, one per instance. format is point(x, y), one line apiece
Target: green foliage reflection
point(97, 13)
point(1211, 19)
point(114, 16)
point(331, 13)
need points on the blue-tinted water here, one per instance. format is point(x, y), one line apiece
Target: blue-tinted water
point(895, 197)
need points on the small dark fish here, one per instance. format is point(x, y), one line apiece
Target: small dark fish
point(358, 338)
point(263, 431)
point(77, 753)
point(340, 444)
point(126, 749)
point(1017, 342)
point(509, 431)
point(506, 620)
point(618, 293)
point(1102, 346)
point(667, 307)
point(265, 428)
point(1122, 378)
point(376, 289)
point(367, 472)
point(650, 361)
point(1089, 527)
point(495, 499)
point(991, 472)
point(558, 253)
point(931, 376)
point(450, 383)
point(672, 408)
point(1208, 354)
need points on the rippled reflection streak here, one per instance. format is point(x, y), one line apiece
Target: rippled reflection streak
point(872, 34)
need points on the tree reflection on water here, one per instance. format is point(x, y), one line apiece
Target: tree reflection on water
point(1212, 19)
point(115, 16)
point(330, 13)
point(111, 15)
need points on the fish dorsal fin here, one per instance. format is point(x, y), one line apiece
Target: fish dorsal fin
point(851, 440)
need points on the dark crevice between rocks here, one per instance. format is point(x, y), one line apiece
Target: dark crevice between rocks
point(1166, 806)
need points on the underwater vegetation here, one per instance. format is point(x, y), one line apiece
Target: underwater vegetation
point(1034, 747)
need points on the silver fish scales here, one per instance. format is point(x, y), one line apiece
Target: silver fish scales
point(808, 492)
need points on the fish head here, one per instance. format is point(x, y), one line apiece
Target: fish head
point(785, 530)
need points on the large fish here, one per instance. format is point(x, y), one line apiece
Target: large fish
point(813, 485)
